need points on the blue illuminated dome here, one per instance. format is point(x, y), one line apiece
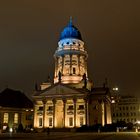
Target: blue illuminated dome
point(70, 31)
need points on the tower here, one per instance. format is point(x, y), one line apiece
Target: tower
point(70, 56)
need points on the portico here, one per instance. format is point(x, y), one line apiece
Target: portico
point(59, 112)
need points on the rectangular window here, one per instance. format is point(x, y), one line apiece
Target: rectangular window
point(81, 106)
point(5, 118)
point(40, 108)
point(70, 107)
point(74, 70)
point(50, 108)
point(29, 117)
point(81, 121)
point(50, 121)
point(16, 118)
point(113, 114)
point(40, 122)
point(70, 121)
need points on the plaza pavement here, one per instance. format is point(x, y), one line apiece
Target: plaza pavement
point(71, 136)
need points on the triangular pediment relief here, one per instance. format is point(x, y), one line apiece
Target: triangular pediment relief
point(60, 89)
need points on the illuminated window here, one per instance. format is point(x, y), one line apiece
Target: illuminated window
point(5, 118)
point(81, 121)
point(40, 122)
point(16, 118)
point(50, 121)
point(70, 121)
point(67, 70)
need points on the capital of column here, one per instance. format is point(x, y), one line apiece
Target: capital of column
point(74, 100)
point(86, 99)
point(44, 100)
point(54, 101)
point(64, 100)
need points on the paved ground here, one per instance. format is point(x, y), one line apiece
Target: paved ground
point(72, 136)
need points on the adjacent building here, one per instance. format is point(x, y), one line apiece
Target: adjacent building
point(15, 109)
point(127, 108)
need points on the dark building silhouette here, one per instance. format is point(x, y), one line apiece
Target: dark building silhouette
point(15, 109)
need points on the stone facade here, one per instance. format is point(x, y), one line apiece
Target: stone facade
point(71, 101)
point(127, 108)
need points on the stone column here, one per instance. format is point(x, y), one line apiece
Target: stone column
point(79, 63)
point(70, 64)
point(86, 112)
point(103, 112)
point(62, 64)
point(56, 66)
point(54, 103)
point(35, 116)
point(75, 111)
point(108, 113)
point(44, 113)
point(85, 65)
point(64, 117)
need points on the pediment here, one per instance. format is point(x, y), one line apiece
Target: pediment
point(60, 89)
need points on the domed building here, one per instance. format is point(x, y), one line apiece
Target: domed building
point(71, 101)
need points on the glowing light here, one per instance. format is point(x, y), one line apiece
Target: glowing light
point(116, 89)
point(11, 130)
point(113, 101)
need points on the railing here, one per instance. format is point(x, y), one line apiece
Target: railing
point(40, 112)
point(49, 112)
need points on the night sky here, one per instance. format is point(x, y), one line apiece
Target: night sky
point(30, 30)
